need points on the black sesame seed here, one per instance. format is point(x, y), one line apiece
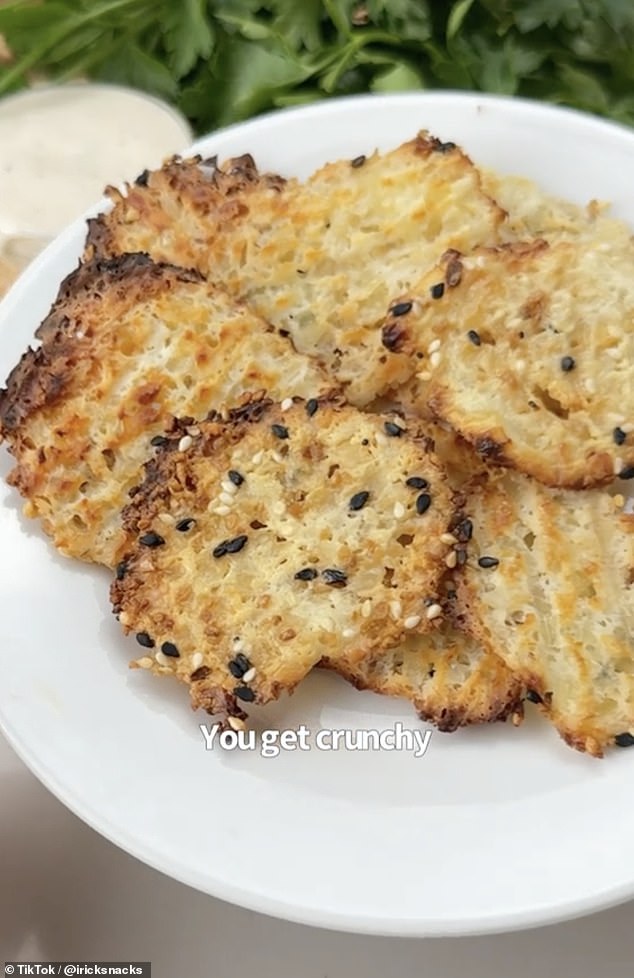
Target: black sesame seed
point(423, 503)
point(487, 562)
point(121, 571)
point(244, 693)
point(365, 441)
point(445, 147)
point(357, 161)
point(235, 477)
point(474, 337)
point(306, 574)
point(619, 436)
point(437, 291)
point(142, 179)
point(624, 740)
point(415, 482)
point(533, 696)
point(230, 546)
point(359, 500)
point(169, 649)
point(393, 430)
point(311, 406)
point(234, 546)
point(239, 665)
point(279, 431)
point(462, 556)
point(335, 577)
point(158, 441)
point(145, 640)
point(401, 308)
point(567, 364)
point(184, 525)
point(151, 539)
point(627, 472)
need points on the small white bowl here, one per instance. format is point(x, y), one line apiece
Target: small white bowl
point(61, 144)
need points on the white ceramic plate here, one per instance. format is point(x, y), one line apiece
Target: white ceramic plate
point(490, 830)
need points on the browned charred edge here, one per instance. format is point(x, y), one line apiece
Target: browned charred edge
point(193, 178)
point(446, 719)
point(43, 374)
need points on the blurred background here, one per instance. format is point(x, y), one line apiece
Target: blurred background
point(221, 61)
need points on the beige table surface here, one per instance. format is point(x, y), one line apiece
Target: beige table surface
point(67, 894)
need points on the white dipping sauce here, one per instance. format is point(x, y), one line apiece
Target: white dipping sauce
point(60, 147)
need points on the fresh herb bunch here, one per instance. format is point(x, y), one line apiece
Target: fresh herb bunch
point(221, 61)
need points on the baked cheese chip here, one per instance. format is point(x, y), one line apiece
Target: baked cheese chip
point(321, 259)
point(549, 587)
point(289, 533)
point(527, 351)
point(128, 344)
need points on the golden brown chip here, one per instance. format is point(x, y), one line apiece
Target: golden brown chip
point(450, 679)
point(549, 587)
point(321, 259)
point(128, 344)
point(527, 351)
point(288, 534)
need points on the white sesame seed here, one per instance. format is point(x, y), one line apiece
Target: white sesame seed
point(162, 659)
point(224, 413)
point(366, 609)
point(435, 359)
point(257, 458)
point(614, 352)
point(229, 487)
point(434, 611)
point(277, 457)
point(237, 645)
point(186, 442)
point(124, 618)
point(627, 429)
point(448, 538)
point(286, 404)
point(618, 500)
point(590, 385)
point(348, 632)
point(396, 610)
point(628, 509)
point(399, 510)
point(166, 518)
point(618, 465)
point(249, 675)
point(144, 662)
point(79, 335)
point(236, 723)
point(226, 497)
point(433, 346)
point(424, 375)
point(520, 366)
point(197, 660)
point(222, 510)
point(193, 431)
point(451, 559)
point(278, 507)
point(412, 621)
